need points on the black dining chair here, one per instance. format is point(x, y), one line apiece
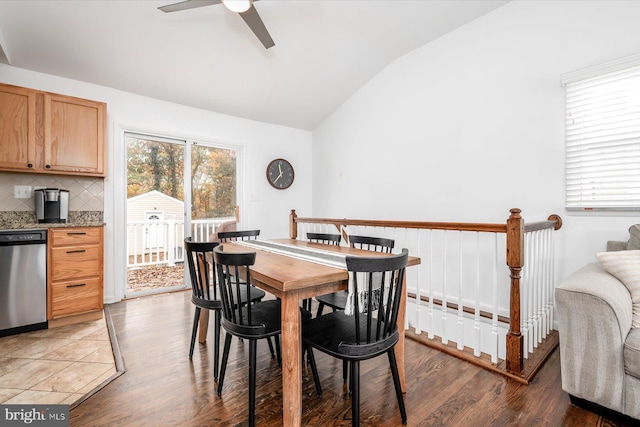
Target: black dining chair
point(371, 331)
point(251, 322)
point(231, 236)
point(235, 235)
point(338, 300)
point(204, 291)
point(324, 238)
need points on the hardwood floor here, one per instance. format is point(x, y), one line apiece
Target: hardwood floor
point(162, 387)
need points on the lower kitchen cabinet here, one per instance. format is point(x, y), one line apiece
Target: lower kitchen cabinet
point(75, 271)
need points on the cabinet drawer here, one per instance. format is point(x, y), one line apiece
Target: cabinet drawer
point(74, 236)
point(75, 262)
point(74, 297)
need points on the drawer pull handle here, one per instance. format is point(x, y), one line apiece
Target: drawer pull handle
point(76, 233)
point(77, 251)
point(77, 285)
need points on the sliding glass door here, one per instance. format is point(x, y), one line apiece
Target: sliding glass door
point(213, 189)
point(175, 189)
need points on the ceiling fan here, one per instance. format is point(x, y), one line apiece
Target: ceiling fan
point(243, 7)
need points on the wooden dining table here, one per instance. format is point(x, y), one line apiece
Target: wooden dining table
point(292, 279)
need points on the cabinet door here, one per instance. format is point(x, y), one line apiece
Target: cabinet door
point(74, 236)
point(73, 262)
point(17, 128)
point(74, 135)
point(75, 297)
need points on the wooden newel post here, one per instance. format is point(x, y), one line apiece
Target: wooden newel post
point(515, 259)
point(293, 225)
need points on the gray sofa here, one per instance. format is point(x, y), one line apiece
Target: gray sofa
point(599, 350)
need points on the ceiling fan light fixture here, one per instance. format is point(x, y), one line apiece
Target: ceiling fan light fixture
point(237, 6)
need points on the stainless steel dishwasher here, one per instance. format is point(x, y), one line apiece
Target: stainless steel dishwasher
point(23, 281)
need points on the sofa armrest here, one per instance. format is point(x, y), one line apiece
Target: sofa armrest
point(613, 246)
point(594, 317)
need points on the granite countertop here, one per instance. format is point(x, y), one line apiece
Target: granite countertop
point(27, 220)
point(37, 225)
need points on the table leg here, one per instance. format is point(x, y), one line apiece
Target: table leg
point(203, 326)
point(291, 360)
point(399, 349)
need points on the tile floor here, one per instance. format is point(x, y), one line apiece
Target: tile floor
point(59, 365)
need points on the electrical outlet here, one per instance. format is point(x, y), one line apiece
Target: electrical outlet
point(22, 191)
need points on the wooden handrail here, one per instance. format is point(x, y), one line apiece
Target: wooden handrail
point(554, 221)
point(459, 226)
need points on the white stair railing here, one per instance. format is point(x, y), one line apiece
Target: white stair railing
point(461, 293)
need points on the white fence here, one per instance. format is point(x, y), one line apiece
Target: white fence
point(161, 242)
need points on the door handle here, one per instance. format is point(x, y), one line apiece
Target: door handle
point(77, 251)
point(77, 285)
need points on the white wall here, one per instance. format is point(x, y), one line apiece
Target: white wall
point(472, 124)
point(261, 206)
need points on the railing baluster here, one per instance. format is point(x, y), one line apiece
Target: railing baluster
point(460, 319)
point(135, 245)
point(526, 285)
point(476, 314)
point(533, 285)
point(538, 289)
point(431, 313)
point(548, 288)
point(494, 313)
point(418, 326)
point(445, 338)
point(551, 270)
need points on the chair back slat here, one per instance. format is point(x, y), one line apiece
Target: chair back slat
point(326, 238)
point(377, 244)
point(230, 236)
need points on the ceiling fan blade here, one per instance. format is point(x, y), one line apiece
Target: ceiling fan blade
point(188, 4)
point(254, 22)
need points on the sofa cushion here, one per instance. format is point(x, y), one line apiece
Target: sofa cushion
point(632, 353)
point(625, 266)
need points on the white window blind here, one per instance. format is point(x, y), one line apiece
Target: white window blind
point(603, 141)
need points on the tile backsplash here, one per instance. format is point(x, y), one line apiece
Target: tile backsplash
point(85, 193)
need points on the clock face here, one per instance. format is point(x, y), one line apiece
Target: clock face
point(280, 174)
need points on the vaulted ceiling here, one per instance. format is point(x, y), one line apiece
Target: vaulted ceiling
point(208, 58)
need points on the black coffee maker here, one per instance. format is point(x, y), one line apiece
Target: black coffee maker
point(52, 205)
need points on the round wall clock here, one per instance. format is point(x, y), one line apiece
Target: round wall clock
point(280, 174)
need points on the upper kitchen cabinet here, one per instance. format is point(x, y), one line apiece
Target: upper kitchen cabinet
point(50, 133)
point(74, 135)
point(17, 128)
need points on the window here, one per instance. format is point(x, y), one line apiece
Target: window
point(602, 168)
